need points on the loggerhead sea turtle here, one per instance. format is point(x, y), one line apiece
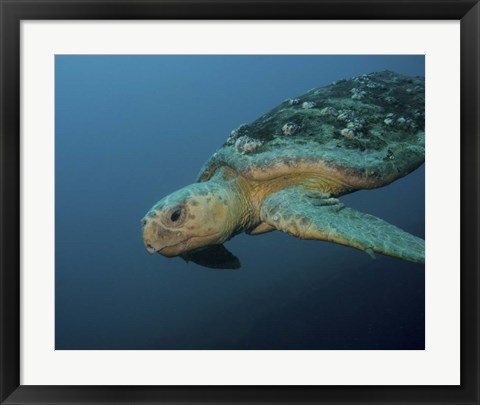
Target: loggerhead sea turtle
point(285, 170)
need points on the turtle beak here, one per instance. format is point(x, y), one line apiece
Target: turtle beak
point(151, 249)
point(156, 237)
point(149, 230)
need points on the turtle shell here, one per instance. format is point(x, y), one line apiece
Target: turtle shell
point(363, 132)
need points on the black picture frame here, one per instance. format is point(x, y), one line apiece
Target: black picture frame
point(14, 11)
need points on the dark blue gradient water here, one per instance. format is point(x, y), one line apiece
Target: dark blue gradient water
point(131, 129)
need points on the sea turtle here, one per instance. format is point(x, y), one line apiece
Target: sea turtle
point(286, 170)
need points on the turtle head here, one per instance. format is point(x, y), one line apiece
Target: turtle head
point(188, 219)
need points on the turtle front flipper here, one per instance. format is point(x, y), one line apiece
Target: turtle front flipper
point(214, 257)
point(314, 215)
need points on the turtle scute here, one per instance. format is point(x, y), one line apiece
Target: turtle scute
point(373, 123)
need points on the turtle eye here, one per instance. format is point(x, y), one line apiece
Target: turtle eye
point(175, 215)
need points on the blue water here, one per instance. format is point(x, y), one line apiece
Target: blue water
point(131, 129)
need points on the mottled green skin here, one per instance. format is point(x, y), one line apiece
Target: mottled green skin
point(380, 151)
point(315, 216)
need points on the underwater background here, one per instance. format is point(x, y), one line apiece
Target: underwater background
point(130, 130)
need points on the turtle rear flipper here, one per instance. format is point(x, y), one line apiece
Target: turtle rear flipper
point(313, 215)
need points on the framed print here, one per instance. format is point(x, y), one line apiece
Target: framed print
point(239, 202)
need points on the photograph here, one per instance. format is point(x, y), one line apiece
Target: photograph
point(239, 202)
